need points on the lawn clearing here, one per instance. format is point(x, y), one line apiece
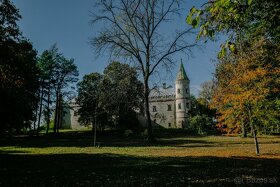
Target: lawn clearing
point(71, 160)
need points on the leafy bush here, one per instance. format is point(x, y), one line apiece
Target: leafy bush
point(201, 124)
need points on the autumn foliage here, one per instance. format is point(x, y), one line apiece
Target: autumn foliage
point(248, 87)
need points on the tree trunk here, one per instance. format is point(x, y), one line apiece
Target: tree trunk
point(48, 111)
point(256, 141)
point(56, 112)
point(59, 116)
point(34, 124)
point(254, 132)
point(95, 125)
point(147, 112)
point(40, 110)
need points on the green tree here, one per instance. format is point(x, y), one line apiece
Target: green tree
point(89, 94)
point(122, 94)
point(201, 124)
point(57, 74)
point(9, 15)
point(115, 96)
point(47, 66)
point(18, 73)
point(66, 74)
point(238, 18)
point(202, 116)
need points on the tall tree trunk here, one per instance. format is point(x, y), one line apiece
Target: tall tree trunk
point(60, 113)
point(59, 117)
point(34, 123)
point(48, 110)
point(40, 109)
point(147, 112)
point(254, 131)
point(56, 112)
point(95, 124)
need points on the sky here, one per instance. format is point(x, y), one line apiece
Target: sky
point(67, 23)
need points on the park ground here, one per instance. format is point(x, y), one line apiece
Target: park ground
point(175, 159)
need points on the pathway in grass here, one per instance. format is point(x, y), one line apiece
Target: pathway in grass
point(71, 160)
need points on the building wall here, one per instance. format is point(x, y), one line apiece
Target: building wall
point(70, 117)
point(74, 119)
point(163, 112)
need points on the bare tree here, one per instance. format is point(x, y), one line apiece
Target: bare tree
point(206, 92)
point(133, 30)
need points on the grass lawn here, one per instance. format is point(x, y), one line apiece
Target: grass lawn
point(175, 159)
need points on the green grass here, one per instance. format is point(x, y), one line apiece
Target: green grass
point(175, 159)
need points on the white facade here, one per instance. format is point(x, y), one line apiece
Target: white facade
point(169, 107)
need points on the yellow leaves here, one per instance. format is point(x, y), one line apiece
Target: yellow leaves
point(246, 79)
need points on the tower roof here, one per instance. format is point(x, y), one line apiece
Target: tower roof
point(181, 75)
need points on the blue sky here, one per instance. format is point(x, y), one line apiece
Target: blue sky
point(66, 23)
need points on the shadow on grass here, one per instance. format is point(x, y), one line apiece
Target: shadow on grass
point(85, 139)
point(125, 170)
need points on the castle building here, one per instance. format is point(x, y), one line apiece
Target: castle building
point(169, 107)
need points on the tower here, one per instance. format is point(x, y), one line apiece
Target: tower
point(182, 97)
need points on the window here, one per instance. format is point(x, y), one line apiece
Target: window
point(169, 108)
point(154, 108)
point(178, 91)
point(179, 106)
point(75, 113)
point(187, 91)
point(169, 124)
point(189, 105)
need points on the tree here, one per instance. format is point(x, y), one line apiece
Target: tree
point(248, 95)
point(246, 89)
point(18, 73)
point(201, 123)
point(56, 76)
point(241, 21)
point(133, 31)
point(206, 92)
point(9, 15)
point(66, 73)
point(121, 81)
point(47, 65)
point(105, 94)
point(89, 91)
point(202, 116)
